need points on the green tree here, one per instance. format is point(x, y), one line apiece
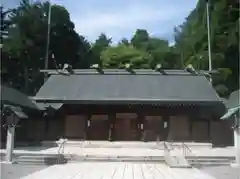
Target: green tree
point(158, 49)
point(124, 41)
point(117, 57)
point(100, 45)
point(140, 39)
point(26, 44)
point(192, 45)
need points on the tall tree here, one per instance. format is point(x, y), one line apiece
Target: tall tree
point(191, 41)
point(100, 45)
point(158, 49)
point(26, 44)
point(140, 38)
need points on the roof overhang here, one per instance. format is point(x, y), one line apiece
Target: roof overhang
point(123, 101)
point(231, 112)
point(45, 106)
point(16, 110)
point(11, 96)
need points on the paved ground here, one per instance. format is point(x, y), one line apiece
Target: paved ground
point(116, 170)
point(214, 152)
point(223, 172)
point(17, 171)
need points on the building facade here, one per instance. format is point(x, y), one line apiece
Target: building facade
point(117, 105)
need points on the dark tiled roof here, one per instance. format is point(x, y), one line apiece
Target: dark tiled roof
point(14, 97)
point(17, 111)
point(91, 87)
point(44, 106)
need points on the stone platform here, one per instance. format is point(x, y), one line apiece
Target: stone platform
point(80, 150)
point(118, 170)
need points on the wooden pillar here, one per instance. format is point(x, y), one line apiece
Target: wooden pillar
point(111, 126)
point(63, 123)
point(46, 127)
point(141, 126)
point(191, 127)
point(138, 127)
point(166, 123)
point(88, 121)
point(209, 121)
point(168, 137)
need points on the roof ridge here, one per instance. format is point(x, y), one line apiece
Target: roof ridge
point(134, 72)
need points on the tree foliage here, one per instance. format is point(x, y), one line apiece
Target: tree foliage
point(117, 57)
point(25, 47)
point(191, 41)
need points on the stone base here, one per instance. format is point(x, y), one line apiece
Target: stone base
point(235, 165)
point(7, 162)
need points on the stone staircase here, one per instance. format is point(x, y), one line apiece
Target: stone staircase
point(106, 144)
point(38, 159)
point(210, 161)
point(116, 158)
point(102, 151)
point(184, 160)
point(174, 161)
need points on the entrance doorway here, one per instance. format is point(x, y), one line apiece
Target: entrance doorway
point(98, 127)
point(75, 126)
point(126, 127)
point(153, 128)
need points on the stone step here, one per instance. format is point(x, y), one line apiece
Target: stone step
point(114, 158)
point(31, 154)
point(211, 160)
point(179, 162)
point(197, 165)
point(40, 159)
point(122, 144)
point(211, 157)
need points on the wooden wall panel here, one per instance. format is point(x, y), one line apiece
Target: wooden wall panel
point(200, 131)
point(221, 133)
point(179, 128)
point(126, 127)
point(98, 129)
point(75, 126)
point(36, 129)
point(153, 128)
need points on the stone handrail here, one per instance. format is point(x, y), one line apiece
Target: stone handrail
point(167, 156)
point(61, 149)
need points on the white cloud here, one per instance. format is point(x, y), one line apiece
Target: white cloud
point(117, 23)
point(121, 20)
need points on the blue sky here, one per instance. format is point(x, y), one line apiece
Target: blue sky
point(121, 18)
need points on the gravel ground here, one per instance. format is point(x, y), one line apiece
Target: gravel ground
point(222, 172)
point(17, 171)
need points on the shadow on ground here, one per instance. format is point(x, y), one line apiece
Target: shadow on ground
point(16, 171)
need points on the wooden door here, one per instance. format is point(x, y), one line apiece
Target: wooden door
point(126, 128)
point(75, 126)
point(153, 128)
point(98, 128)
